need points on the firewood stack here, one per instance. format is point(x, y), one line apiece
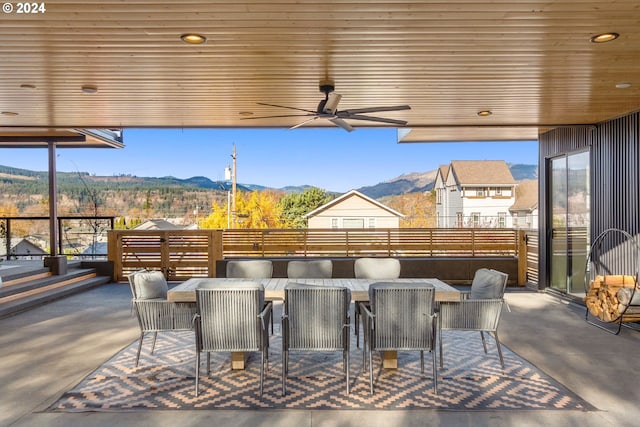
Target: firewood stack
point(610, 297)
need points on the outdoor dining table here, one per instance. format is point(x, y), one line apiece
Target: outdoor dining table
point(274, 290)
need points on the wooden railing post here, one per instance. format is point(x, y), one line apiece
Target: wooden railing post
point(215, 251)
point(114, 254)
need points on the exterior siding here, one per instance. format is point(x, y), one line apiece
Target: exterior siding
point(441, 200)
point(456, 199)
point(354, 207)
point(615, 177)
point(526, 220)
point(322, 221)
point(488, 208)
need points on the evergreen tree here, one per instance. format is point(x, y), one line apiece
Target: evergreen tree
point(295, 206)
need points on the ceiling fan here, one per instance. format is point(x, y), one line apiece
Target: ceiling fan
point(328, 110)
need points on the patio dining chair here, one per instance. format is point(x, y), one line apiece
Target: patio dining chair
point(153, 311)
point(376, 269)
point(232, 317)
point(315, 318)
point(400, 317)
point(310, 269)
point(249, 269)
point(479, 310)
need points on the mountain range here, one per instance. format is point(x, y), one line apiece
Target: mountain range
point(403, 184)
point(424, 181)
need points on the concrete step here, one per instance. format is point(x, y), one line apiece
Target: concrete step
point(47, 290)
point(40, 280)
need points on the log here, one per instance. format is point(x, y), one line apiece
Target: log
point(609, 296)
point(617, 280)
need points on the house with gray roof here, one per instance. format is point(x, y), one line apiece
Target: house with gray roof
point(157, 224)
point(21, 248)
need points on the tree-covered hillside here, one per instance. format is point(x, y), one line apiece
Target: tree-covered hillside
point(121, 195)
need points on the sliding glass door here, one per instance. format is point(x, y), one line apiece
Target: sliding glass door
point(569, 220)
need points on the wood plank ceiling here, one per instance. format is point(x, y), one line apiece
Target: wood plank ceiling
point(531, 63)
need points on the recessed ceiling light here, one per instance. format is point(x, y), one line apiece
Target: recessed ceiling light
point(604, 37)
point(193, 38)
point(89, 89)
point(623, 85)
point(246, 113)
point(9, 113)
point(27, 86)
point(485, 113)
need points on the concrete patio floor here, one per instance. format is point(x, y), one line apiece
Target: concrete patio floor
point(45, 351)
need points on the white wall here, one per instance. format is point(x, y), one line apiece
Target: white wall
point(355, 208)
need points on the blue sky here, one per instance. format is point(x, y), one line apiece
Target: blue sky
point(331, 159)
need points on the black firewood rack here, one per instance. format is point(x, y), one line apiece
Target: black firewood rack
point(614, 253)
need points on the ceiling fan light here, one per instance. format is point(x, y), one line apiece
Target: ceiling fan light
point(193, 38)
point(332, 103)
point(604, 37)
point(89, 89)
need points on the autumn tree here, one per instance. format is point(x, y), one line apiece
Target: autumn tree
point(217, 218)
point(257, 209)
point(296, 205)
point(419, 209)
point(8, 210)
point(18, 227)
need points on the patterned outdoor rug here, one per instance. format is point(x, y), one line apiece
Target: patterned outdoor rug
point(470, 380)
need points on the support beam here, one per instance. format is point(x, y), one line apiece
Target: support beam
point(53, 200)
point(56, 262)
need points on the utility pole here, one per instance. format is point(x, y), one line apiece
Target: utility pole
point(230, 174)
point(234, 175)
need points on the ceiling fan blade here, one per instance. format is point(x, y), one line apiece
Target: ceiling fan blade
point(376, 109)
point(304, 123)
point(284, 106)
point(282, 115)
point(341, 123)
point(331, 105)
point(373, 119)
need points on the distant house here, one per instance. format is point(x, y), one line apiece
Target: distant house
point(354, 210)
point(474, 193)
point(96, 250)
point(524, 212)
point(157, 224)
point(21, 249)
